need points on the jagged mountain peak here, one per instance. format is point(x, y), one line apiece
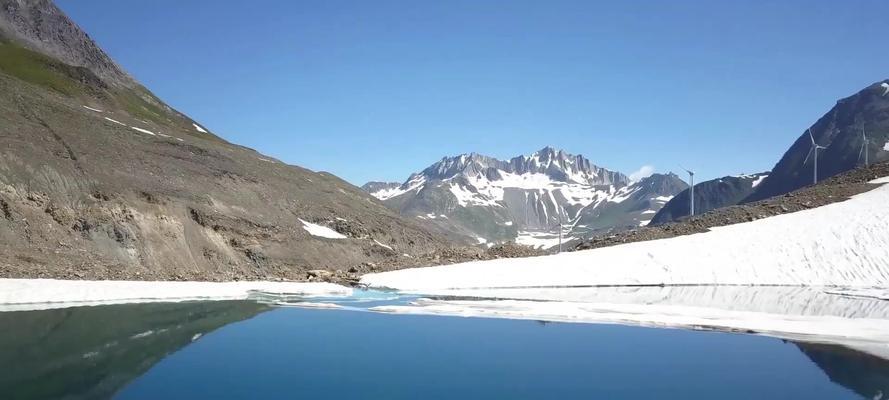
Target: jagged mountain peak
point(489, 200)
point(557, 165)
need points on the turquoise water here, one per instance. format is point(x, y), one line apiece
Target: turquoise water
point(246, 350)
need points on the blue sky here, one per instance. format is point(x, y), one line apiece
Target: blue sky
point(374, 90)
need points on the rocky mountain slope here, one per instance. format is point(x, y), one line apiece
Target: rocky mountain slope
point(709, 195)
point(831, 190)
point(100, 179)
point(840, 131)
point(523, 199)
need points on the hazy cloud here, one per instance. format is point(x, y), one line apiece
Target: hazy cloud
point(643, 172)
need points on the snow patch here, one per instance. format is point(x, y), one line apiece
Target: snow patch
point(115, 121)
point(41, 294)
point(466, 198)
point(142, 335)
point(321, 231)
point(415, 182)
point(540, 240)
point(93, 109)
point(382, 245)
point(759, 180)
point(198, 128)
point(143, 131)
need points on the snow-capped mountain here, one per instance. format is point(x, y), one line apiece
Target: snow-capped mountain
point(524, 199)
point(710, 195)
point(381, 190)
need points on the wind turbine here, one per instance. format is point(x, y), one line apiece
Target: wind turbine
point(814, 149)
point(560, 227)
point(864, 145)
point(691, 191)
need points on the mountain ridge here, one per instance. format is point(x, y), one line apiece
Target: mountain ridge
point(709, 195)
point(523, 199)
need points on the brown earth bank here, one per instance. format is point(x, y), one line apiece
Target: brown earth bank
point(834, 189)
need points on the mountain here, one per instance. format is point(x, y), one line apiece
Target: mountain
point(101, 179)
point(840, 130)
point(633, 206)
point(381, 190)
point(486, 200)
point(709, 195)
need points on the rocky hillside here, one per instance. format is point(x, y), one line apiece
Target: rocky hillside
point(709, 195)
point(486, 200)
point(101, 179)
point(840, 131)
point(831, 190)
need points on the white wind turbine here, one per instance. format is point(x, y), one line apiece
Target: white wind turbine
point(691, 191)
point(814, 149)
point(864, 147)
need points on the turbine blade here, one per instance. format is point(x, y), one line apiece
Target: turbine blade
point(812, 137)
point(860, 152)
point(806, 161)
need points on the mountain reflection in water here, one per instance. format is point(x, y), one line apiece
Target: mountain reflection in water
point(92, 352)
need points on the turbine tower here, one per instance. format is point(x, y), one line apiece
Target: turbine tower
point(814, 150)
point(691, 191)
point(864, 147)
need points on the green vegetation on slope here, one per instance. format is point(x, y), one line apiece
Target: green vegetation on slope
point(37, 69)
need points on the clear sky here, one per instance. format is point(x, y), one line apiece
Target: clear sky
point(374, 90)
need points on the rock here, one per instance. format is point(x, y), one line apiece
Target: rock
point(319, 273)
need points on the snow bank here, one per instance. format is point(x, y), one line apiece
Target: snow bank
point(845, 244)
point(38, 294)
point(321, 231)
point(790, 313)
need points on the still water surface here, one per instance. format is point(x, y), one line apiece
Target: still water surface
point(244, 349)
